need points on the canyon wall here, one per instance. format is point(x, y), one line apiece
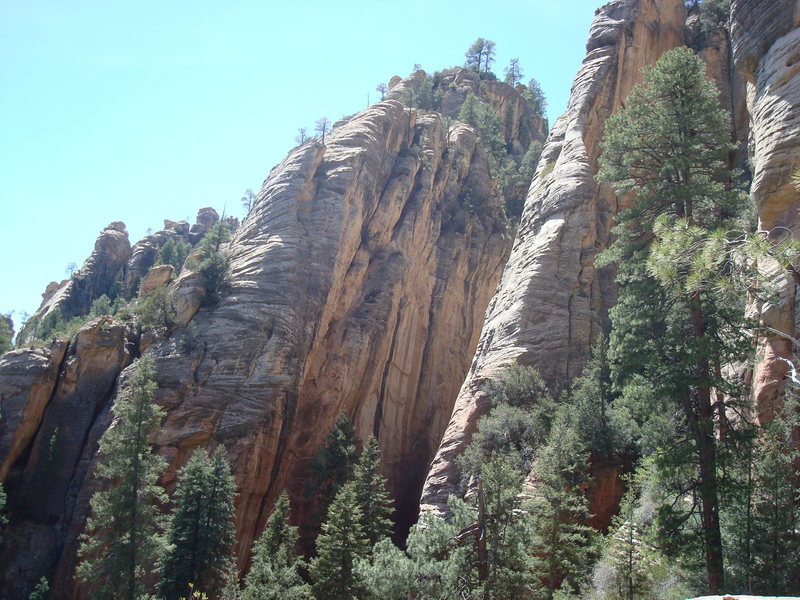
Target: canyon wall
point(765, 39)
point(552, 302)
point(358, 284)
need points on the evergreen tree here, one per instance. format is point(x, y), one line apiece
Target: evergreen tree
point(174, 252)
point(275, 571)
point(535, 97)
point(201, 533)
point(122, 538)
point(602, 425)
point(371, 494)
point(340, 544)
point(513, 72)
point(668, 145)
point(478, 55)
point(332, 467)
point(213, 263)
point(559, 511)
point(5, 334)
point(762, 520)
point(507, 531)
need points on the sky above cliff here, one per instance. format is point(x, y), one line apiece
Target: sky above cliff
point(149, 110)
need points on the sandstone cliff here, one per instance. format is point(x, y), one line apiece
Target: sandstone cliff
point(765, 38)
point(358, 283)
point(552, 302)
point(74, 296)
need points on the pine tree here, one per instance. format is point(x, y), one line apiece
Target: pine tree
point(669, 145)
point(513, 72)
point(340, 544)
point(559, 511)
point(507, 530)
point(275, 571)
point(371, 494)
point(331, 469)
point(201, 533)
point(122, 538)
point(6, 326)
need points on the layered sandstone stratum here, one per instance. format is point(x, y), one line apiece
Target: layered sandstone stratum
point(358, 284)
point(552, 302)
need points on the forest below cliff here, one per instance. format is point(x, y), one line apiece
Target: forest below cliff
point(445, 355)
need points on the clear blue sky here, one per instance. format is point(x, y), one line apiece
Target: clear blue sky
point(146, 110)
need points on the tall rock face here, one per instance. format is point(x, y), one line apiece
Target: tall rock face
point(64, 388)
point(358, 284)
point(765, 37)
point(552, 302)
point(74, 296)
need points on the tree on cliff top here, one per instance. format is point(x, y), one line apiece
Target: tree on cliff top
point(480, 56)
point(122, 538)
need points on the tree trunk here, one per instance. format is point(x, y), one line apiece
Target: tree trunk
point(707, 457)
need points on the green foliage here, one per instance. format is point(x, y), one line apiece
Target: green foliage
point(534, 95)
point(103, 306)
point(174, 252)
point(559, 510)
point(515, 178)
point(480, 56)
point(604, 426)
point(341, 543)
point(275, 570)
point(122, 538)
point(513, 72)
point(675, 323)
point(713, 17)
point(201, 532)
point(213, 262)
point(41, 591)
point(156, 310)
point(487, 125)
point(510, 569)
point(761, 517)
point(5, 334)
point(371, 494)
point(52, 326)
point(631, 567)
point(332, 467)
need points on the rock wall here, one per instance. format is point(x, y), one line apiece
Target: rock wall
point(552, 302)
point(765, 38)
point(358, 284)
point(64, 388)
point(74, 296)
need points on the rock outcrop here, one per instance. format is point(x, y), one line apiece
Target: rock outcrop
point(74, 296)
point(552, 302)
point(765, 37)
point(358, 284)
point(69, 385)
point(144, 253)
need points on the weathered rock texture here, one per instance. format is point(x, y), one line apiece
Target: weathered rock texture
point(144, 253)
point(69, 385)
point(74, 296)
point(358, 284)
point(765, 37)
point(552, 302)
